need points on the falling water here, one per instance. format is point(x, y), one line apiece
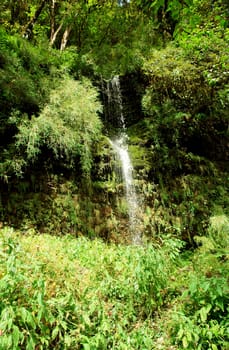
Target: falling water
point(115, 83)
point(120, 147)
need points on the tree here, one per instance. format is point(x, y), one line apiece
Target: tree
point(28, 31)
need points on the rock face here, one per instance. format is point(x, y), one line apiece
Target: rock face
point(132, 90)
point(179, 158)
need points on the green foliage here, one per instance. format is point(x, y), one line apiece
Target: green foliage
point(204, 38)
point(67, 126)
point(188, 82)
point(102, 303)
point(219, 230)
point(113, 296)
point(203, 317)
point(175, 82)
point(185, 129)
point(24, 75)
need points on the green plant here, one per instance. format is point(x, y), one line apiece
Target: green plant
point(67, 293)
point(203, 315)
point(67, 126)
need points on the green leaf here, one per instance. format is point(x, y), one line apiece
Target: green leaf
point(16, 335)
point(220, 304)
point(30, 320)
point(189, 336)
point(30, 345)
point(23, 313)
point(204, 311)
point(180, 333)
point(214, 347)
point(185, 342)
point(55, 332)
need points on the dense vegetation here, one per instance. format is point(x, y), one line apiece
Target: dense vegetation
point(68, 293)
point(69, 279)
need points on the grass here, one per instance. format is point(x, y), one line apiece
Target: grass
point(68, 293)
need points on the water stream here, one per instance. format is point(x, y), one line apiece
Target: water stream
point(120, 147)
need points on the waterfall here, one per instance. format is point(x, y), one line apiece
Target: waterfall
point(120, 147)
point(116, 89)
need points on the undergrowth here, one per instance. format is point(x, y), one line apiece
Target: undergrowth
point(68, 293)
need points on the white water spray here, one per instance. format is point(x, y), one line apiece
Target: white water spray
point(120, 147)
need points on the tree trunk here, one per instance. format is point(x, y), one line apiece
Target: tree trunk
point(52, 20)
point(54, 34)
point(65, 37)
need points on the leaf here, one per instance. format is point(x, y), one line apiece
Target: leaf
point(185, 342)
point(30, 320)
point(180, 333)
point(40, 299)
point(189, 336)
point(86, 320)
point(214, 347)
point(224, 23)
point(204, 312)
point(55, 332)
point(220, 304)
point(8, 342)
point(30, 345)
point(16, 335)
point(23, 313)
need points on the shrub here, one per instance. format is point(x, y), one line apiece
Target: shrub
point(66, 127)
point(202, 319)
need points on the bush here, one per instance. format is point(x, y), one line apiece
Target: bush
point(66, 127)
point(202, 320)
